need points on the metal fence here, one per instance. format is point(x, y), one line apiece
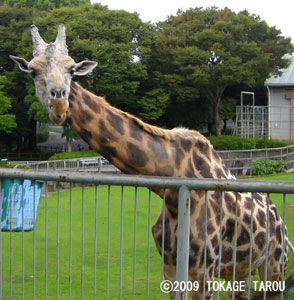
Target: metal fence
point(93, 239)
point(93, 164)
point(240, 162)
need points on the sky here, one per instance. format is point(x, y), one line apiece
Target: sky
point(275, 13)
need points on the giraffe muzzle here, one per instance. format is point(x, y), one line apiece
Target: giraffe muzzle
point(57, 112)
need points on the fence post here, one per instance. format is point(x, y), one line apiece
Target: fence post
point(183, 241)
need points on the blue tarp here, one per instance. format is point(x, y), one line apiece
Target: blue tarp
point(19, 205)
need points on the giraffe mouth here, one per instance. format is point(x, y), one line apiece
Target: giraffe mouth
point(57, 111)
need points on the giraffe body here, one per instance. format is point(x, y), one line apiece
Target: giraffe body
point(139, 148)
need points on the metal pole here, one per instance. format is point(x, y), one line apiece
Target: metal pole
point(183, 240)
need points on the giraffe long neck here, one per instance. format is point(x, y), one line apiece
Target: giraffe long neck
point(136, 147)
point(116, 135)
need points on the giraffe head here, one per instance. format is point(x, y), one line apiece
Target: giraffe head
point(52, 70)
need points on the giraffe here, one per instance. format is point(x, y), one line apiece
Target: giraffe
point(136, 147)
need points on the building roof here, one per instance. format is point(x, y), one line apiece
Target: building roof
point(286, 78)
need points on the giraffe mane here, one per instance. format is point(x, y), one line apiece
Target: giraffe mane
point(167, 134)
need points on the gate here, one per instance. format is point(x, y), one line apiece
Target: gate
point(92, 237)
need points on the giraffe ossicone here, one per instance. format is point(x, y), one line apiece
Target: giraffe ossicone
point(136, 147)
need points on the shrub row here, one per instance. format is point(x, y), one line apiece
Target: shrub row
point(228, 142)
point(268, 167)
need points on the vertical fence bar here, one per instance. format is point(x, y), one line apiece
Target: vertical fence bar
point(251, 245)
point(46, 240)
point(95, 244)
point(57, 243)
point(10, 236)
point(121, 241)
point(235, 243)
point(266, 243)
point(34, 240)
point(205, 247)
point(183, 240)
point(22, 237)
point(148, 245)
point(220, 243)
point(134, 246)
point(82, 242)
point(284, 243)
point(70, 243)
point(162, 242)
point(108, 243)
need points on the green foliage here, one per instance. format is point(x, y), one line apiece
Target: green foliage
point(268, 167)
point(153, 104)
point(72, 155)
point(7, 120)
point(201, 52)
point(227, 142)
point(45, 4)
point(227, 108)
point(69, 133)
point(12, 165)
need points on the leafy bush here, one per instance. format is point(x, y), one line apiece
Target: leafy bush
point(267, 167)
point(42, 135)
point(228, 142)
point(72, 155)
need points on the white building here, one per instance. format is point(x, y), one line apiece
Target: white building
point(281, 104)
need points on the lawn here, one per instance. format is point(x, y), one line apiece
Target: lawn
point(88, 218)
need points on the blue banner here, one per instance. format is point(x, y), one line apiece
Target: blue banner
point(22, 204)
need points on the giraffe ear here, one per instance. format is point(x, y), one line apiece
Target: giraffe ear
point(84, 67)
point(22, 63)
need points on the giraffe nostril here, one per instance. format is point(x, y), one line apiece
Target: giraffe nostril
point(53, 94)
point(57, 93)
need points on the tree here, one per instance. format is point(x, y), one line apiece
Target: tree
point(227, 110)
point(7, 120)
point(70, 136)
point(45, 4)
point(200, 53)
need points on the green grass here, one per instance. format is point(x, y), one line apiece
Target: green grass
point(89, 227)
point(72, 155)
point(89, 217)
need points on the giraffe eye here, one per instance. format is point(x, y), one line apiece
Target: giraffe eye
point(33, 73)
point(72, 71)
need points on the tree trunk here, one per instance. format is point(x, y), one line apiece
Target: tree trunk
point(68, 144)
point(215, 128)
point(214, 99)
point(31, 140)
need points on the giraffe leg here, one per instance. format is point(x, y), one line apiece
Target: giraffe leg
point(198, 278)
point(241, 294)
point(273, 272)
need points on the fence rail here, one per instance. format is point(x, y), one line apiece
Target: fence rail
point(106, 229)
point(240, 162)
point(95, 164)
